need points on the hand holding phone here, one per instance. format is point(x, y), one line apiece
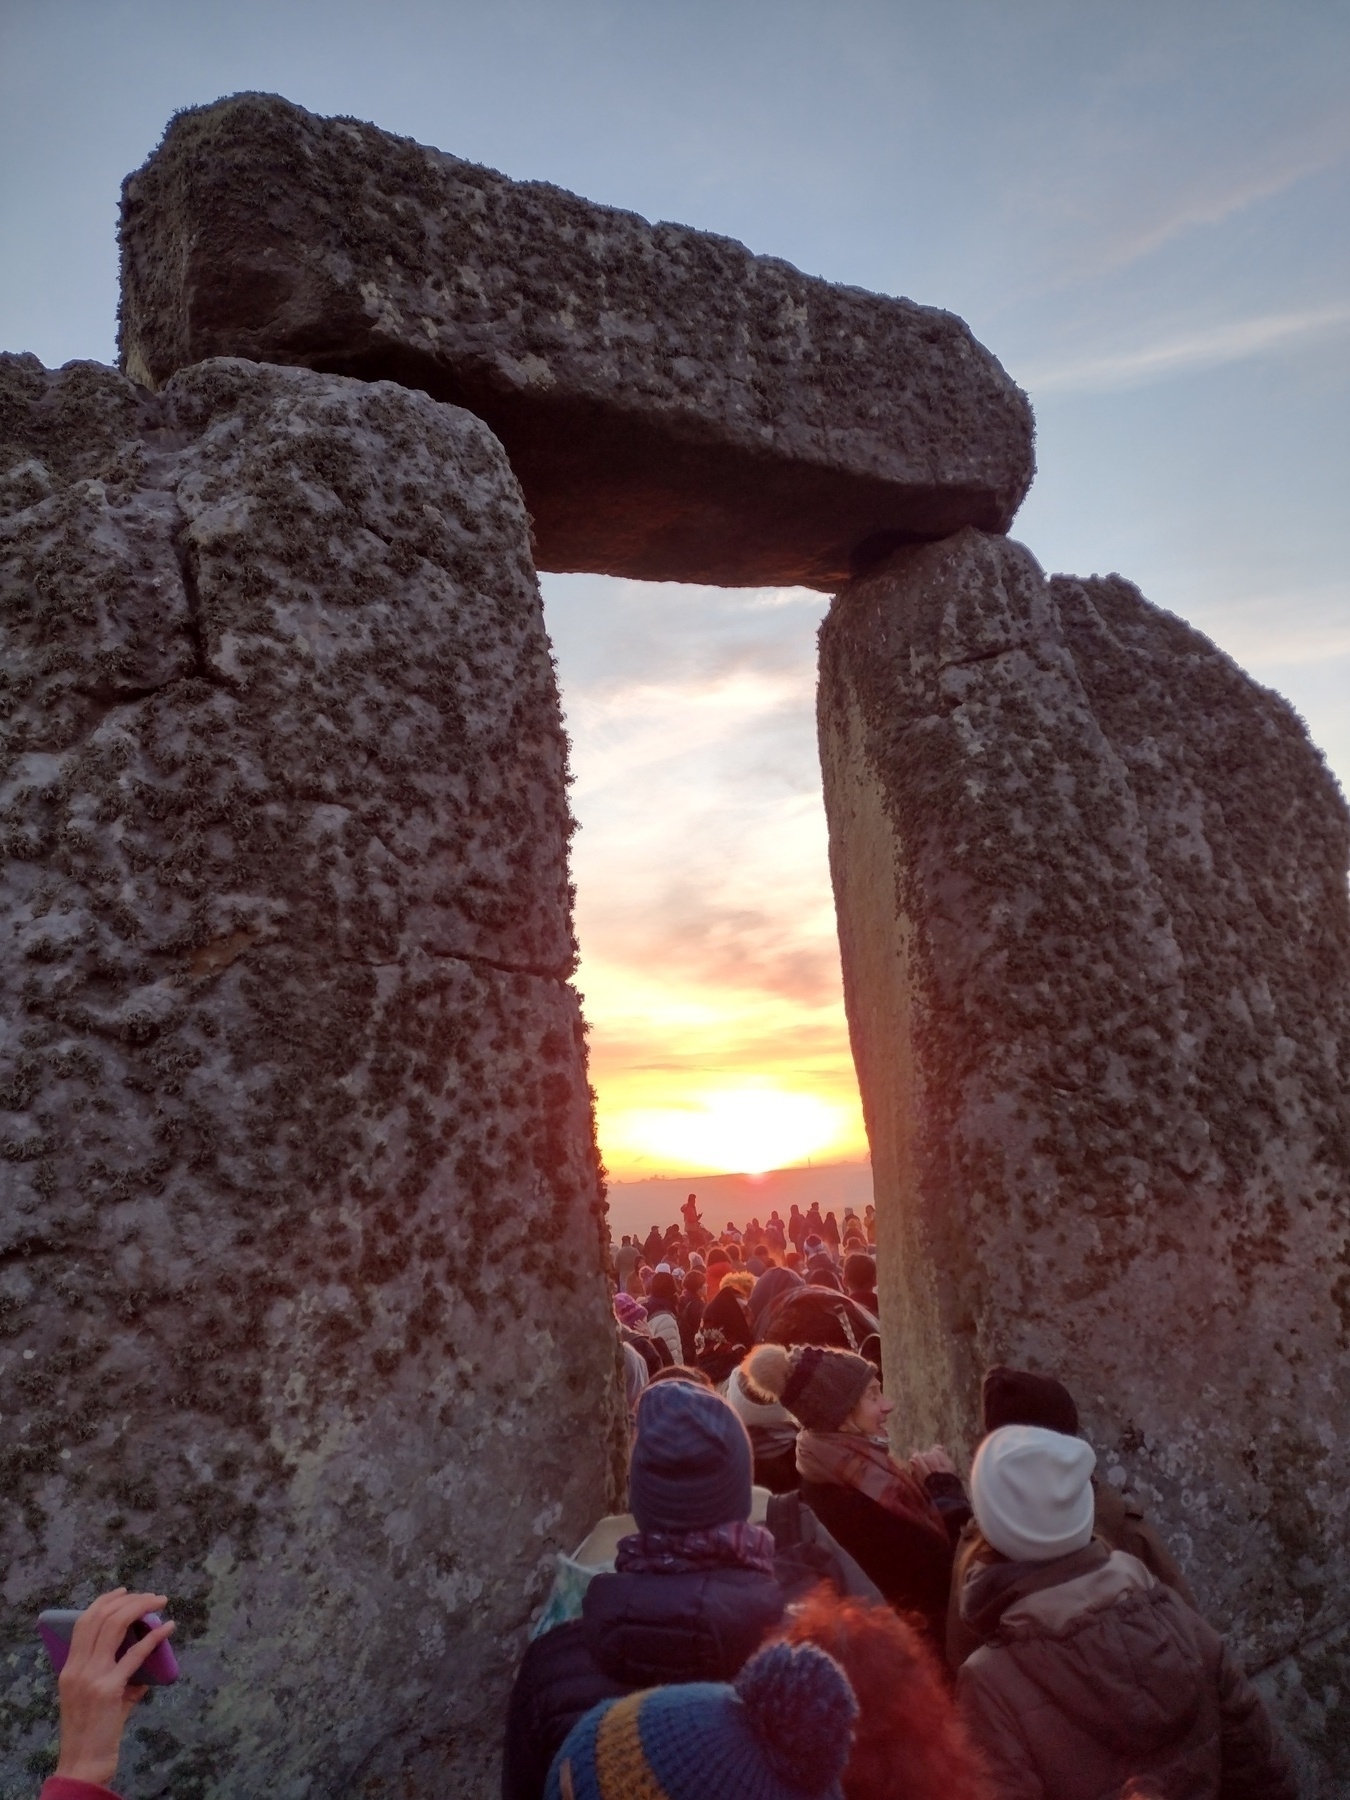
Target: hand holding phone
point(103, 1676)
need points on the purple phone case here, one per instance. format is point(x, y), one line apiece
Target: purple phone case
point(160, 1668)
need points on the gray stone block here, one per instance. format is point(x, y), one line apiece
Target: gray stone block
point(1091, 884)
point(302, 1317)
point(674, 407)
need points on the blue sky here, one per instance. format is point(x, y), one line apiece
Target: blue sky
point(1141, 208)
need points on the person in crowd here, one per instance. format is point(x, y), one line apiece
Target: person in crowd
point(635, 1287)
point(771, 1286)
point(755, 1263)
point(1090, 1673)
point(820, 1272)
point(780, 1731)
point(690, 1313)
point(815, 1225)
point(813, 1247)
point(726, 1332)
point(899, 1523)
point(1019, 1397)
point(772, 1430)
point(909, 1743)
point(792, 1259)
point(651, 1246)
point(719, 1265)
point(663, 1313)
point(731, 1235)
point(775, 1234)
point(696, 1588)
point(98, 1692)
point(829, 1230)
point(626, 1259)
point(797, 1228)
point(631, 1317)
point(636, 1375)
point(860, 1280)
point(811, 1314)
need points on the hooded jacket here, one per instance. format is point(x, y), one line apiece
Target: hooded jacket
point(1091, 1673)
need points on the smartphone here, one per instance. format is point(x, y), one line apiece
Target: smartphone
point(160, 1668)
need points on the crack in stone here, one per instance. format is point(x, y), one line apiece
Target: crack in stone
point(202, 667)
point(475, 960)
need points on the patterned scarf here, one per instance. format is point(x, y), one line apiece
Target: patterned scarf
point(865, 1463)
point(734, 1546)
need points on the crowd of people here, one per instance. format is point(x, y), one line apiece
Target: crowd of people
point(788, 1611)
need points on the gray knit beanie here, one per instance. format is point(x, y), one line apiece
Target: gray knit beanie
point(824, 1386)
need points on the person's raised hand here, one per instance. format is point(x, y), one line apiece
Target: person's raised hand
point(96, 1685)
point(932, 1462)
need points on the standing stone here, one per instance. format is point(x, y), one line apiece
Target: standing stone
point(675, 408)
point(1091, 883)
point(300, 1280)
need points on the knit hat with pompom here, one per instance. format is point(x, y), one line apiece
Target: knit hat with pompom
point(781, 1731)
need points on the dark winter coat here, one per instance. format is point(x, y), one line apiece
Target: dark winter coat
point(639, 1631)
point(1092, 1672)
point(690, 1316)
point(911, 1566)
point(652, 1351)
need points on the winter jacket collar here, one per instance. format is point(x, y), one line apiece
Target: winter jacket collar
point(992, 1589)
point(737, 1545)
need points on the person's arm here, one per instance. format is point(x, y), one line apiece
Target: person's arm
point(944, 1487)
point(97, 1692)
point(1255, 1764)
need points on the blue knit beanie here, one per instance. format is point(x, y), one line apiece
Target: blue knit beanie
point(781, 1731)
point(691, 1460)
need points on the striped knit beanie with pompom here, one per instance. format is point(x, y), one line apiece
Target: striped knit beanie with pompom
point(781, 1731)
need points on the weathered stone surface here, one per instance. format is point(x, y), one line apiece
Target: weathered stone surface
point(674, 407)
point(301, 1309)
point(1091, 884)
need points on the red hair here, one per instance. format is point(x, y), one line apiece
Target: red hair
point(909, 1743)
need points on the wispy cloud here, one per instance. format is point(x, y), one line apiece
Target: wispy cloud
point(1200, 348)
point(1212, 197)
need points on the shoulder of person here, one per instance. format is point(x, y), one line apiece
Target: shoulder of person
point(61, 1787)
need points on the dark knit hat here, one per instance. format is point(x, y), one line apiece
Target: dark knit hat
point(781, 1731)
point(691, 1461)
point(860, 1272)
point(663, 1288)
point(824, 1386)
point(1017, 1397)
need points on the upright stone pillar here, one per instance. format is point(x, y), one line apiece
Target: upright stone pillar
point(300, 1277)
point(1091, 884)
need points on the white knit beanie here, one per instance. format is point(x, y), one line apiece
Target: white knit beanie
point(754, 1412)
point(1032, 1492)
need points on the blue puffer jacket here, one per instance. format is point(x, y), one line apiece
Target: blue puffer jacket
point(636, 1631)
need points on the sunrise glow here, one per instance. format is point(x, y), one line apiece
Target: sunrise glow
point(748, 1128)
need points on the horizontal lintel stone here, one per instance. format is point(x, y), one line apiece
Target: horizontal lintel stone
point(674, 407)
